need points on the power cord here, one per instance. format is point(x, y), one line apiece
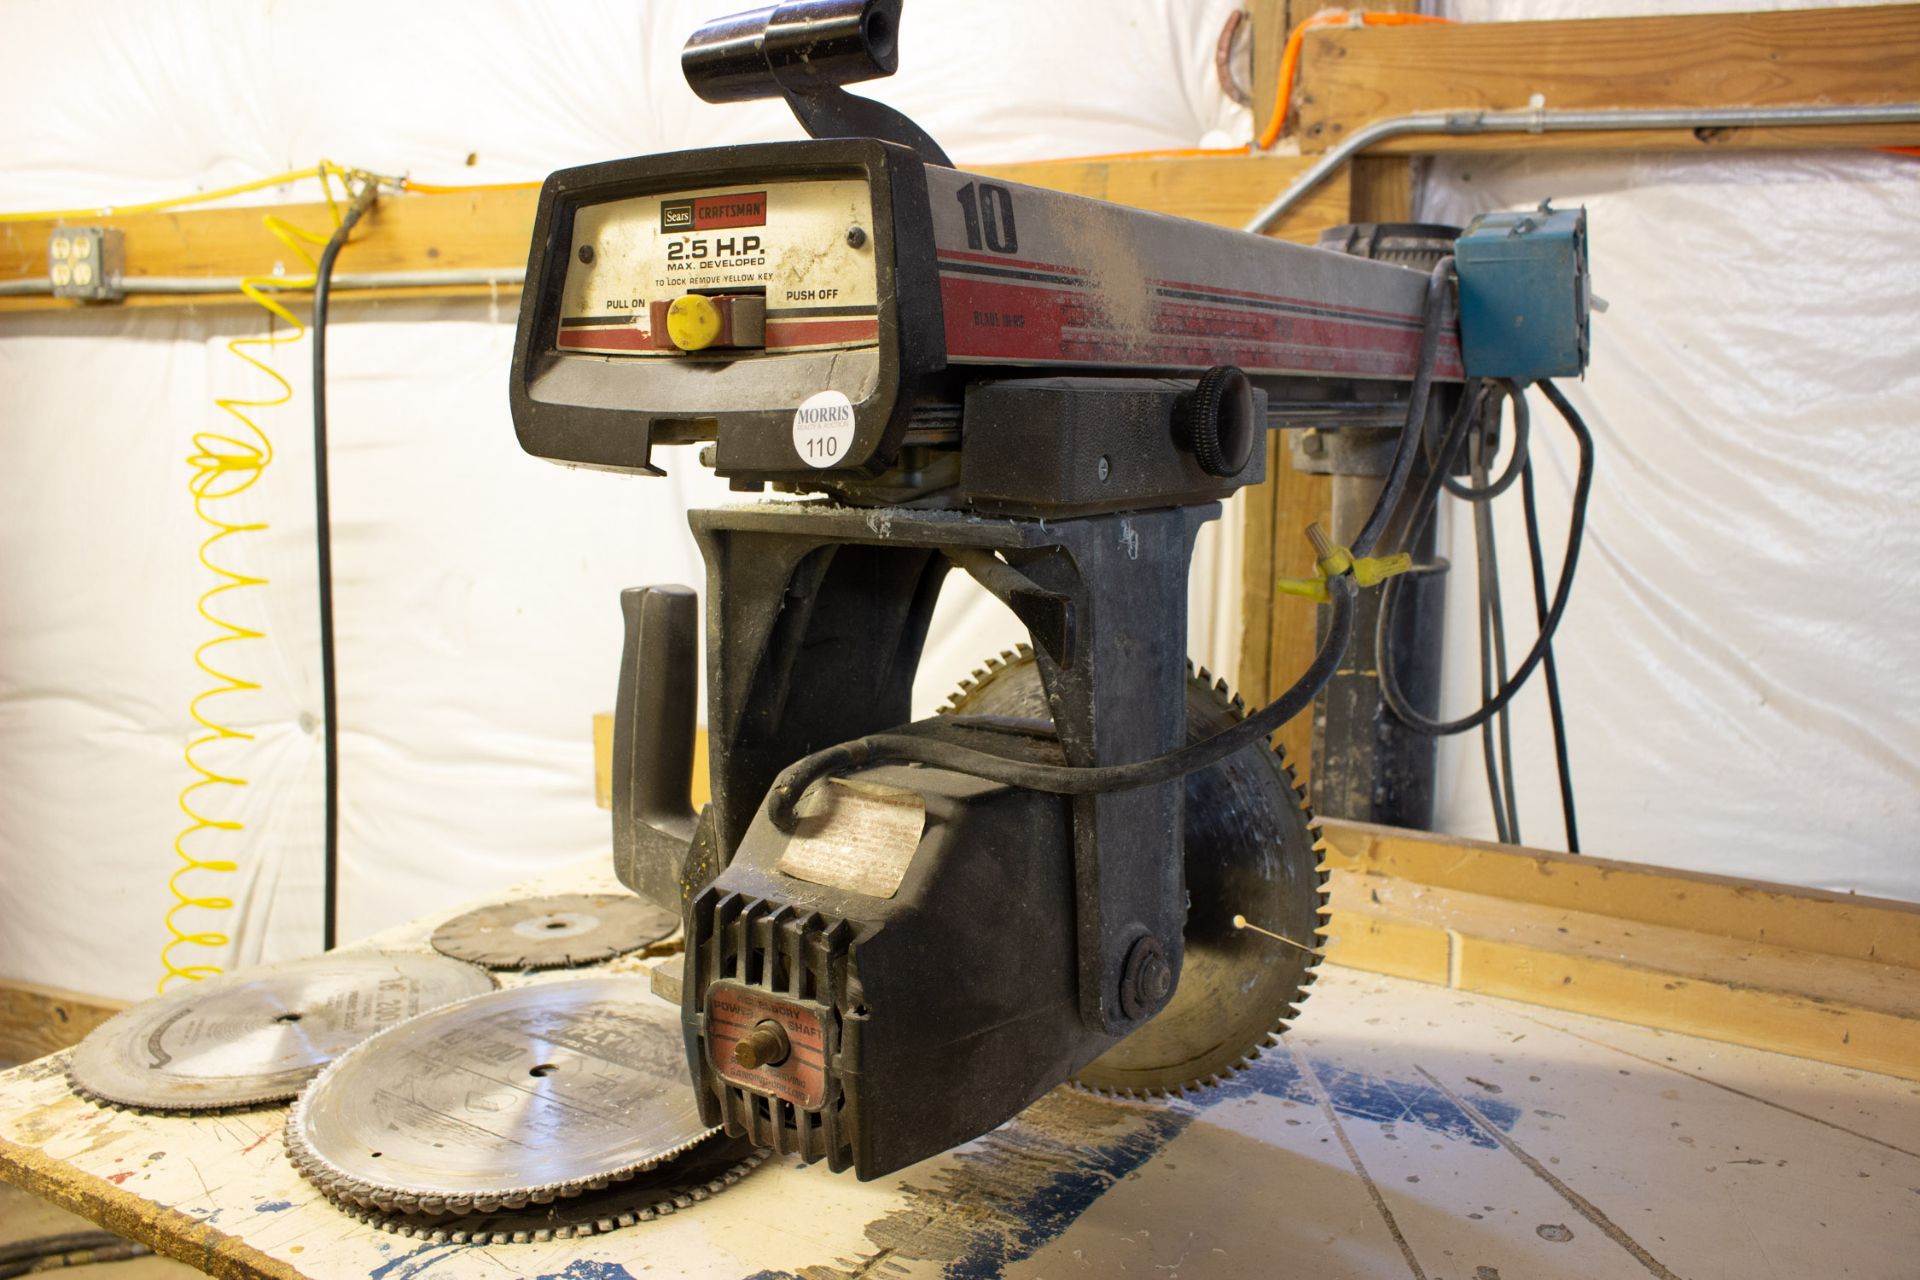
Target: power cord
point(1495, 702)
point(323, 542)
point(1343, 572)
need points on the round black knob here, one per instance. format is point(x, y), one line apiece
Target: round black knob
point(1218, 422)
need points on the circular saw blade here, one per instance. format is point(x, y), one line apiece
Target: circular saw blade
point(698, 1175)
point(1250, 852)
point(259, 1035)
point(558, 931)
point(519, 1097)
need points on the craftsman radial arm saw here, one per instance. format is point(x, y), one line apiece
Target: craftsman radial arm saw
point(899, 935)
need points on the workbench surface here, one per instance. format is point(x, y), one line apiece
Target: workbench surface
point(1405, 1131)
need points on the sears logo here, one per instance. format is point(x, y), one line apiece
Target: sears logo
point(676, 215)
point(709, 213)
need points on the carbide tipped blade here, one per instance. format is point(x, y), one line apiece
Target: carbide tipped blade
point(557, 931)
point(258, 1035)
point(1250, 850)
point(696, 1176)
point(518, 1097)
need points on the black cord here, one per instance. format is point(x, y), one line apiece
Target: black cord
point(1522, 440)
point(1554, 712)
point(69, 1249)
point(323, 541)
point(1583, 484)
point(1493, 654)
point(65, 1242)
point(1433, 321)
point(910, 745)
point(1489, 575)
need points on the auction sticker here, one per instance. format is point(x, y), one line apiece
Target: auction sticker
point(823, 428)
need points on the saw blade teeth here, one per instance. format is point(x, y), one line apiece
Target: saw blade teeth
point(1125, 1083)
point(616, 1006)
point(647, 1205)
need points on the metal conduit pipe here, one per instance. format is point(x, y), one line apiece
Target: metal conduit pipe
point(1541, 120)
point(342, 280)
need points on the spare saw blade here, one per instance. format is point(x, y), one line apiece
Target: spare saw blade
point(259, 1035)
point(1250, 852)
point(558, 931)
point(698, 1175)
point(514, 1098)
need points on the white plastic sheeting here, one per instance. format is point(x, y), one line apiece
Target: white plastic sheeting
point(477, 618)
point(1742, 689)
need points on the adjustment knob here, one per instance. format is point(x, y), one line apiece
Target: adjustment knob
point(1216, 421)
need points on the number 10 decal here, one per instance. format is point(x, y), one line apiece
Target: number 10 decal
point(989, 215)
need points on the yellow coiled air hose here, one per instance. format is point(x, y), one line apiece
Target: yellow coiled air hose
point(226, 463)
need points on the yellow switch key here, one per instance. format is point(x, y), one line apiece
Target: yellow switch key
point(693, 322)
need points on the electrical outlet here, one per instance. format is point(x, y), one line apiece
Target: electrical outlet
point(86, 263)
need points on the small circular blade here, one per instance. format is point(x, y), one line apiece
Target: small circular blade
point(259, 1035)
point(513, 1098)
point(1250, 852)
point(558, 931)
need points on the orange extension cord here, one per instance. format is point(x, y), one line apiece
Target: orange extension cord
point(1290, 56)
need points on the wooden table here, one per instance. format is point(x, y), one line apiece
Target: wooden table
point(1405, 1131)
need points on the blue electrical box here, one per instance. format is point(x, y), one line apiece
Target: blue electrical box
point(1523, 294)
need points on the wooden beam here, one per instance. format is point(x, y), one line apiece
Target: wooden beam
point(1845, 925)
point(1278, 636)
point(489, 230)
point(37, 1020)
point(1830, 56)
point(1828, 976)
point(486, 230)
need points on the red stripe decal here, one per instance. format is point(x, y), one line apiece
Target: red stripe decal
point(1004, 320)
point(1215, 289)
point(606, 339)
point(807, 333)
point(1001, 260)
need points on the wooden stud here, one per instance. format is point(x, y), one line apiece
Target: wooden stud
point(1843, 925)
point(1350, 76)
point(37, 1020)
point(490, 230)
point(1849, 1012)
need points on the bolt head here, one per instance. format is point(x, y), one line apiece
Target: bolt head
point(1146, 979)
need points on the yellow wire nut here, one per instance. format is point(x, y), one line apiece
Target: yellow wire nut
point(1334, 560)
point(693, 322)
point(226, 464)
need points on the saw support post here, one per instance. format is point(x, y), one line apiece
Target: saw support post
point(852, 592)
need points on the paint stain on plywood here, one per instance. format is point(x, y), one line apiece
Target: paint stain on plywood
point(1358, 1095)
point(978, 1210)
